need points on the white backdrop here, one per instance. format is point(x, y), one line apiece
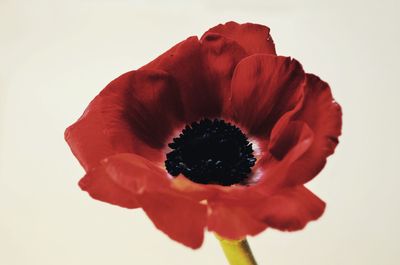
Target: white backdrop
point(56, 56)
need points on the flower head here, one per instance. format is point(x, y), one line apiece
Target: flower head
point(217, 133)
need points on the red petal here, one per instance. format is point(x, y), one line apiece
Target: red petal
point(291, 209)
point(87, 140)
point(101, 186)
point(136, 174)
point(284, 139)
point(154, 108)
point(121, 119)
point(203, 72)
point(233, 220)
point(119, 178)
point(180, 218)
point(264, 87)
point(194, 190)
point(185, 63)
point(221, 56)
point(323, 115)
point(289, 141)
point(253, 38)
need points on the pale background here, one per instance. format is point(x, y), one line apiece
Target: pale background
point(56, 56)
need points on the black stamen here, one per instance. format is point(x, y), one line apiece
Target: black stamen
point(211, 152)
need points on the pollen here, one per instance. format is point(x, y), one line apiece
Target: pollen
point(211, 152)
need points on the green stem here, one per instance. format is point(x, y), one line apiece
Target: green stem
point(237, 252)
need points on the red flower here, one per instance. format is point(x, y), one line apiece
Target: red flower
point(257, 129)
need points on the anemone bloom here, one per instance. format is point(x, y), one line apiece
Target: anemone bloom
point(217, 133)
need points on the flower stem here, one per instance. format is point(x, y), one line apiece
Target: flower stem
point(237, 252)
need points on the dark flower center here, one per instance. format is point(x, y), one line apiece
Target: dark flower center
point(211, 152)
